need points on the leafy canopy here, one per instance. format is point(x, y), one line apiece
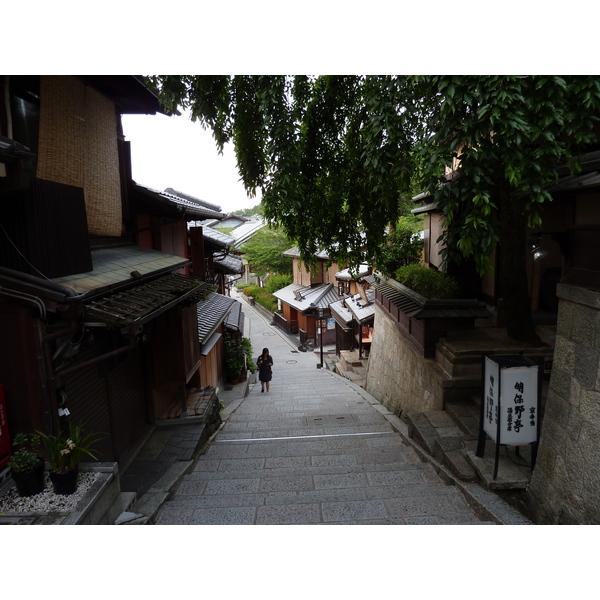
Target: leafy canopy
point(401, 247)
point(333, 155)
point(330, 154)
point(510, 133)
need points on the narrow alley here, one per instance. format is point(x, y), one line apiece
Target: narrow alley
point(312, 450)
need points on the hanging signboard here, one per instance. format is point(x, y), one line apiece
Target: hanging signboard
point(510, 403)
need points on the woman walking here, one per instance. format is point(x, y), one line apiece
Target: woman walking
point(265, 371)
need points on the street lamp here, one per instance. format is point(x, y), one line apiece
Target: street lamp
point(320, 366)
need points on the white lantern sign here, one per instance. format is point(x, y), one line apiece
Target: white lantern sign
point(510, 402)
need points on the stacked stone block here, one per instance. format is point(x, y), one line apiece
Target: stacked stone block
point(565, 486)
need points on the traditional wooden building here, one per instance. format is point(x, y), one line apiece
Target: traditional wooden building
point(98, 326)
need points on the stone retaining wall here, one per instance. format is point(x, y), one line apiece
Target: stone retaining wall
point(398, 375)
point(565, 486)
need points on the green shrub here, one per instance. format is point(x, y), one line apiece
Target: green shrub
point(277, 282)
point(262, 297)
point(247, 348)
point(400, 248)
point(430, 283)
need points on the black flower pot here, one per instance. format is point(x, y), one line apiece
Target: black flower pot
point(29, 483)
point(65, 484)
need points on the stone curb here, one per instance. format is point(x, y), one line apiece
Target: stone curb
point(487, 504)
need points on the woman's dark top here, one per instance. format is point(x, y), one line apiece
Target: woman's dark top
point(264, 368)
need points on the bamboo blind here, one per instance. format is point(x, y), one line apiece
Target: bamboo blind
point(78, 146)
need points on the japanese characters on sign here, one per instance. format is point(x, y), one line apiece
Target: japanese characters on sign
point(511, 395)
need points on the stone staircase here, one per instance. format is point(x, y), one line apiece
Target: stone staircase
point(352, 367)
point(451, 435)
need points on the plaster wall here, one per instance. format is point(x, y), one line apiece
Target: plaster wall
point(398, 376)
point(565, 485)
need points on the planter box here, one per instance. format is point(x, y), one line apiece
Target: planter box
point(99, 506)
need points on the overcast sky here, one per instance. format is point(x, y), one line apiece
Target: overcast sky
point(174, 152)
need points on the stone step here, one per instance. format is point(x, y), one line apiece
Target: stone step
point(341, 367)
point(511, 475)
point(362, 371)
point(351, 357)
point(449, 451)
point(438, 434)
point(352, 376)
point(458, 365)
point(466, 415)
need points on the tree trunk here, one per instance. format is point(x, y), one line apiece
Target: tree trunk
point(514, 286)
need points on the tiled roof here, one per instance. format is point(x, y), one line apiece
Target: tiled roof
point(190, 209)
point(191, 198)
point(307, 299)
point(295, 253)
point(222, 240)
point(235, 318)
point(144, 302)
point(350, 274)
point(340, 312)
point(229, 264)
point(354, 308)
point(359, 309)
point(118, 267)
point(211, 313)
point(242, 233)
point(419, 307)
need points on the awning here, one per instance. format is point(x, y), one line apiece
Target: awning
point(211, 313)
point(120, 267)
point(144, 302)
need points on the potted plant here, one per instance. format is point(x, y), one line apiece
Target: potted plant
point(64, 452)
point(26, 467)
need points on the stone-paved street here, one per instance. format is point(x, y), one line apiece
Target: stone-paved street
point(312, 450)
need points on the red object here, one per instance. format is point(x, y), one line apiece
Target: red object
point(4, 437)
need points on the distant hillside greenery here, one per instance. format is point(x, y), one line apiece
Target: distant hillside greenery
point(250, 212)
point(264, 252)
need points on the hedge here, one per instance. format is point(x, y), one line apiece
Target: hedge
point(263, 297)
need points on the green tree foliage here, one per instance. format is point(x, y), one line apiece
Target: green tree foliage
point(510, 134)
point(250, 212)
point(335, 156)
point(277, 282)
point(264, 252)
point(401, 247)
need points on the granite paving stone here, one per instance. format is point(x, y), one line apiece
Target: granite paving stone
point(313, 450)
point(289, 514)
point(240, 515)
point(435, 505)
point(232, 486)
point(345, 480)
point(358, 509)
point(282, 484)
